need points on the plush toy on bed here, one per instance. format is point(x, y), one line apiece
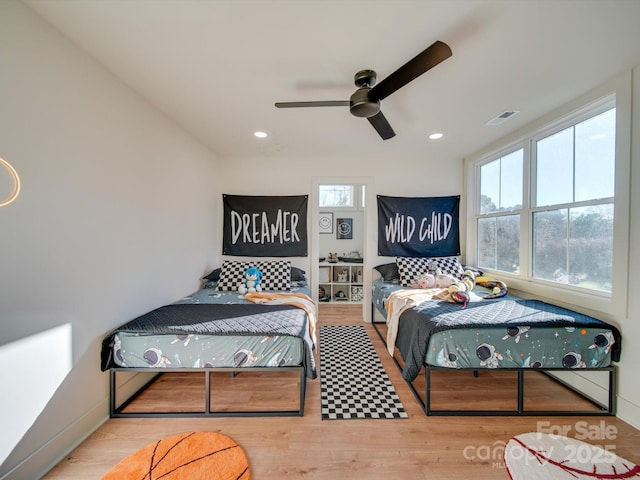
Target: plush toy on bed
point(435, 279)
point(251, 282)
point(498, 288)
point(462, 292)
point(425, 280)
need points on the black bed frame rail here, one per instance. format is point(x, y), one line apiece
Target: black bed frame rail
point(117, 410)
point(604, 409)
point(609, 409)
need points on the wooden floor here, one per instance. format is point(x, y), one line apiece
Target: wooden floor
point(310, 448)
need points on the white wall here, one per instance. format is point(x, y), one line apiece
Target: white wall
point(117, 215)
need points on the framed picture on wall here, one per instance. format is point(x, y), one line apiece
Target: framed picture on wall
point(344, 229)
point(325, 222)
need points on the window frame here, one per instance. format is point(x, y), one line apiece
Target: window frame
point(616, 93)
point(510, 149)
point(359, 193)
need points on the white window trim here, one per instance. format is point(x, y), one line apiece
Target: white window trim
point(616, 302)
point(358, 198)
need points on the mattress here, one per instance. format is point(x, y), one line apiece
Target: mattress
point(520, 334)
point(203, 351)
point(198, 349)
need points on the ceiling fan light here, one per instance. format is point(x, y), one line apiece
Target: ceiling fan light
point(360, 105)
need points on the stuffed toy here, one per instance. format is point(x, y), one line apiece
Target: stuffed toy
point(498, 288)
point(425, 280)
point(435, 279)
point(460, 292)
point(251, 282)
point(445, 280)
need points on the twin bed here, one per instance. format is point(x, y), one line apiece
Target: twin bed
point(216, 329)
point(504, 333)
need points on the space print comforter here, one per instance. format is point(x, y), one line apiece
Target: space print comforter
point(220, 314)
point(507, 332)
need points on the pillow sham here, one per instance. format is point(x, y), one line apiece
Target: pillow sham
point(449, 265)
point(276, 274)
point(213, 276)
point(410, 268)
point(231, 275)
point(298, 275)
point(388, 271)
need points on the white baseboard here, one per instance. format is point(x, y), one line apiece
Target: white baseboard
point(595, 385)
point(56, 449)
point(53, 451)
point(629, 412)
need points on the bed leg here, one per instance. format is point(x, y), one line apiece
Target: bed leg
point(303, 391)
point(112, 393)
point(475, 373)
point(207, 394)
point(613, 396)
point(520, 391)
point(427, 390)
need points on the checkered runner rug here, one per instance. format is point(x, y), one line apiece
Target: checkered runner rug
point(353, 382)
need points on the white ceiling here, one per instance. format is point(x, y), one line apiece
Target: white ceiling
point(217, 66)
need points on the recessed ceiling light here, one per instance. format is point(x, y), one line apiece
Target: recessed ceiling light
point(436, 136)
point(260, 134)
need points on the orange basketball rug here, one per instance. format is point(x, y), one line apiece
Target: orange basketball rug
point(187, 456)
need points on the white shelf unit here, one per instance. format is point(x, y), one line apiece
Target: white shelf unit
point(341, 282)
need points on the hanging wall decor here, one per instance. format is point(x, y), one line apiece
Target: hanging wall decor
point(264, 226)
point(14, 190)
point(344, 229)
point(418, 226)
point(325, 222)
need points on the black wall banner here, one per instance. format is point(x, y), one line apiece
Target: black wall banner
point(261, 226)
point(418, 227)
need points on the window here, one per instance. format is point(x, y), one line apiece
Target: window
point(342, 196)
point(573, 203)
point(500, 205)
point(337, 196)
point(544, 209)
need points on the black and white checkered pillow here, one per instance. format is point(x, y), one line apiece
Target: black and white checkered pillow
point(410, 268)
point(276, 274)
point(449, 265)
point(232, 275)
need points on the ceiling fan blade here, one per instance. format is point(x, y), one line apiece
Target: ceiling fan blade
point(381, 125)
point(328, 103)
point(429, 58)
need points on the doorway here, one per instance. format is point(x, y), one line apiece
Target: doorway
point(341, 220)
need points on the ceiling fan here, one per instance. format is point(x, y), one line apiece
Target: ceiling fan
point(365, 101)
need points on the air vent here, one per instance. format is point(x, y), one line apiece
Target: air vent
point(504, 116)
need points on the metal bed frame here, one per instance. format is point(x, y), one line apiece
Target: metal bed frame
point(608, 409)
point(117, 410)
